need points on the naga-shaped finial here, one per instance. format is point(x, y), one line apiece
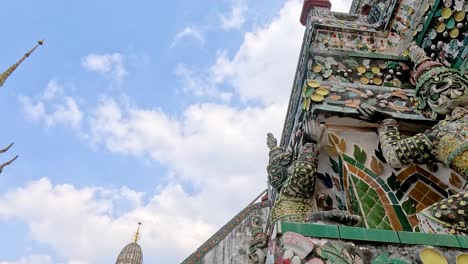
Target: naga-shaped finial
point(13, 67)
point(7, 148)
point(259, 242)
point(272, 143)
point(2, 166)
point(278, 163)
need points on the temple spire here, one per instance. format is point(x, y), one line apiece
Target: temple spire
point(13, 67)
point(136, 236)
point(131, 253)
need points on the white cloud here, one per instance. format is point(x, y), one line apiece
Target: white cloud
point(108, 64)
point(199, 84)
point(52, 90)
point(264, 66)
point(52, 109)
point(77, 223)
point(32, 259)
point(341, 5)
point(236, 18)
point(191, 145)
point(189, 32)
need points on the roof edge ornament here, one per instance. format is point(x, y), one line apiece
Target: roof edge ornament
point(4, 76)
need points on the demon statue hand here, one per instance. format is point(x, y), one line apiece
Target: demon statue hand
point(296, 202)
point(259, 242)
point(448, 216)
point(442, 94)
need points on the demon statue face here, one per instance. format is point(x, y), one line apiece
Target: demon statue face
point(439, 89)
point(278, 163)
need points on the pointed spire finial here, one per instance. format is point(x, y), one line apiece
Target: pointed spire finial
point(136, 236)
point(13, 67)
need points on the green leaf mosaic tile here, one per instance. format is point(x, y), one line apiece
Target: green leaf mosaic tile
point(359, 154)
point(371, 207)
point(393, 183)
point(335, 166)
point(409, 206)
point(349, 160)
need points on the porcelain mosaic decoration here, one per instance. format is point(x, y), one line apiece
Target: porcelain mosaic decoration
point(372, 163)
point(366, 172)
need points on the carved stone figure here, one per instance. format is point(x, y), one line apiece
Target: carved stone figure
point(446, 216)
point(296, 198)
point(278, 163)
point(296, 202)
point(442, 92)
point(257, 247)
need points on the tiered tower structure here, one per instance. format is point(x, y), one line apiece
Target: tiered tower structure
point(131, 253)
point(3, 77)
point(372, 165)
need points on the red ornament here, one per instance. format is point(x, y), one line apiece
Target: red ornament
point(308, 4)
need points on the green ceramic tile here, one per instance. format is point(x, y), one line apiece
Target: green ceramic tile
point(378, 208)
point(372, 220)
point(360, 165)
point(368, 200)
point(386, 189)
point(399, 194)
point(416, 238)
point(385, 225)
point(392, 198)
point(361, 185)
point(402, 217)
point(372, 174)
point(463, 240)
point(311, 230)
point(367, 234)
point(349, 160)
point(380, 182)
point(409, 206)
point(447, 241)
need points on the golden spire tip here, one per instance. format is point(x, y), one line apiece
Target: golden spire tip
point(137, 236)
point(4, 76)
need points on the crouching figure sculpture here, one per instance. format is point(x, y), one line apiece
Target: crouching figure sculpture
point(443, 94)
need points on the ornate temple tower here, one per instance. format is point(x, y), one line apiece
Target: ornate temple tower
point(131, 253)
point(372, 165)
point(3, 77)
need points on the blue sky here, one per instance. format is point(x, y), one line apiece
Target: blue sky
point(151, 111)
